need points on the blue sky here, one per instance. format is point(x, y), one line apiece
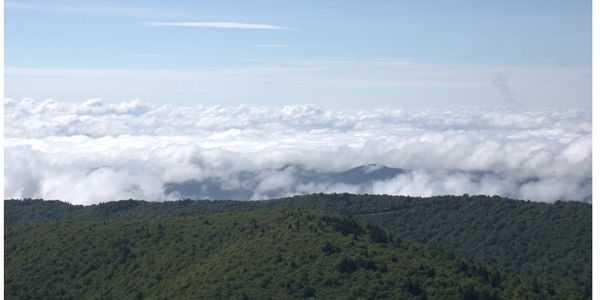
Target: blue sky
point(387, 53)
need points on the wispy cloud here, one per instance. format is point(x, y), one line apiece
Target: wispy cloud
point(216, 25)
point(74, 7)
point(500, 82)
point(272, 46)
point(183, 46)
point(352, 80)
point(147, 55)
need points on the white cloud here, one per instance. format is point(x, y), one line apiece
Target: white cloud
point(216, 25)
point(95, 151)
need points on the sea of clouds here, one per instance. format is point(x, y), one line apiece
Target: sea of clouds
point(93, 151)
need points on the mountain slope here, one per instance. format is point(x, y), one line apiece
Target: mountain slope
point(244, 185)
point(551, 241)
point(259, 254)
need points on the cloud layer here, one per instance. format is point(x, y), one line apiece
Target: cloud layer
point(93, 151)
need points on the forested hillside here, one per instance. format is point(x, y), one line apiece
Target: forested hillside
point(554, 241)
point(261, 254)
point(546, 241)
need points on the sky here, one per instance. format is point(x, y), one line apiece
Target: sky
point(329, 53)
point(161, 100)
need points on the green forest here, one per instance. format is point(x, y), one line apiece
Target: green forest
point(314, 246)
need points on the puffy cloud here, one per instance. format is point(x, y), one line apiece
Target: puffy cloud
point(95, 151)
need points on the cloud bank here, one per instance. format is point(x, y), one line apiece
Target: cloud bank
point(94, 151)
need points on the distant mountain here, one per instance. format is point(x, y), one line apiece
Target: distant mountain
point(362, 174)
point(295, 179)
point(247, 183)
point(262, 254)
